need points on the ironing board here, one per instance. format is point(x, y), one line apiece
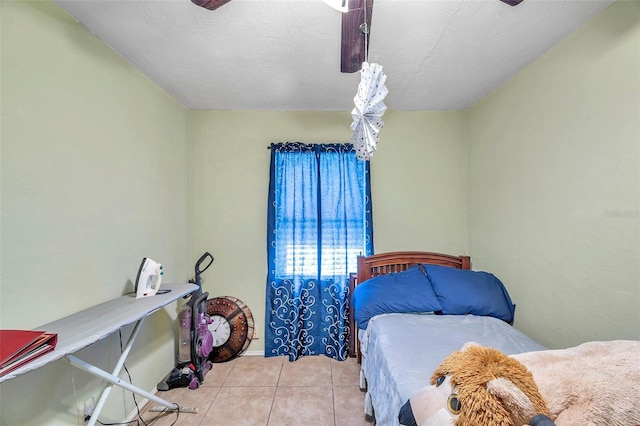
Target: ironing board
point(84, 328)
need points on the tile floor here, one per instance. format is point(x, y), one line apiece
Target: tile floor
point(252, 390)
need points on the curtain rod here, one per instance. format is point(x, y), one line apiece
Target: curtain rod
point(338, 143)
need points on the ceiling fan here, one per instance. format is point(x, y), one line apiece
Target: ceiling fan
point(210, 4)
point(354, 32)
point(356, 29)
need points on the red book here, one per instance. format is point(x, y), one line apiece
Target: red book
point(17, 347)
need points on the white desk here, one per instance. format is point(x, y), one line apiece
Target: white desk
point(84, 328)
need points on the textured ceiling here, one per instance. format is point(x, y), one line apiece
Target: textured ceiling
point(285, 54)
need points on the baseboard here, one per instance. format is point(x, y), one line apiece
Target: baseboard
point(253, 353)
point(133, 415)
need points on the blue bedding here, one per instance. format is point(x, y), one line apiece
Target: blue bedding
point(434, 289)
point(414, 319)
point(462, 292)
point(402, 292)
point(400, 352)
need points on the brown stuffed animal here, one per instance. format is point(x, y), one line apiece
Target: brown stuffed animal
point(482, 386)
point(595, 383)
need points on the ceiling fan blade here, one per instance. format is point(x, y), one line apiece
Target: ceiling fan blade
point(353, 39)
point(512, 2)
point(210, 4)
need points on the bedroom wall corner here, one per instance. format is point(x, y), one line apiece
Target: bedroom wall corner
point(555, 185)
point(93, 179)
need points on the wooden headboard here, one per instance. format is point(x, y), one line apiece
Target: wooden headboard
point(391, 262)
point(398, 261)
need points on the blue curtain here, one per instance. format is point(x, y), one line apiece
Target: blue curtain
point(319, 220)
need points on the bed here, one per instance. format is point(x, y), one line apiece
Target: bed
point(411, 310)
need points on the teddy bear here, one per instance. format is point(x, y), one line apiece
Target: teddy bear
point(596, 383)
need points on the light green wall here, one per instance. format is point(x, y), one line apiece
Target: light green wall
point(100, 167)
point(421, 158)
point(94, 178)
point(555, 183)
point(419, 181)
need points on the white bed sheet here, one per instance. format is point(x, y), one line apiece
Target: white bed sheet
point(401, 351)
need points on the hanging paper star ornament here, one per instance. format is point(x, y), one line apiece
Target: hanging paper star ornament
point(368, 110)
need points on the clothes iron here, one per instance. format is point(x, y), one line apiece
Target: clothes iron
point(149, 278)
